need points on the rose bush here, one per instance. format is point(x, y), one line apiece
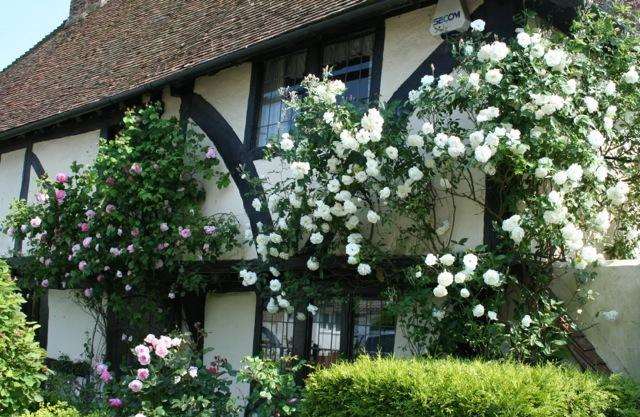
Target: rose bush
point(538, 131)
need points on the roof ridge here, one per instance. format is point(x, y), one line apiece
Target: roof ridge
point(37, 44)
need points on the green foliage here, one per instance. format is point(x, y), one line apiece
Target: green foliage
point(124, 227)
point(172, 380)
point(73, 383)
point(21, 359)
point(60, 410)
point(274, 389)
point(453, 388)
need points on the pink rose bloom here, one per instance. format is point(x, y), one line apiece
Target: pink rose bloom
point(211, 153)
point(88, 292)
point(185, 233)
point(164, 227)
point(151, 339)
point(61, 177)
point(115, 251)
point(84, 227)
point(209, 230)
point(47, 262)
point(99, 278)
point(115, 403)
point(144, 360)
point(143, 374)
point(110, 208)
point(161, 350)
point(136, 168)
point(87, 241)
point(176, 341)
point(105, 376)
point(41, 197)
point(11, 231)
point(45, 283)
point(100, 368)
point(36, 222)
point(135, 385)
point(90, 214)
point(61, 195)
point(110, 181)
point(82, 265)
point(141, 350)
point(131, 249)
point(135, 232)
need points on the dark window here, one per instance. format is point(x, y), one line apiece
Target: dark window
point(339, 329)
point(350, 60)
point(276, 339)
point(279, 74)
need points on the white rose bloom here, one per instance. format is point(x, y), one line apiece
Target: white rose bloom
point(427, 128)
point(274, 271)
point(610, 88)
point(312, 264)
point(478, 25)
point(348, 140)
point(526, 321)
point(523, 39)
point(560, 177)
point(248, 277)
point(470, 262)
point(272, 306)
point(482, 153)
point(445, 80)
point(447, 259)
point(478, 310)
point(541, 172)
point(427, 80)
point(283, 303)
point(445, 278)
point(316, 238)
point(275, 285)
point(372, 216)
point(618, 193)
point(492, 278)
point(440, 291)
point(364, 269)
point(307, 223)
point(361, 176)
point(285, 142)
point(589, 254)
point(492, 315)
point(555, 198)
point(460, 277)
point(570, 87)
point(603, 221)
point(312, 309)
point(328, 117)
point(333, 186)
point(384, 193)
point(352, 249)
point(352, 222)
point(631, 76)
point(574, 172)
point(346, 179)
point(511, 223)
point(494, 52)
point(415, 174)
point(517, 234)
point(591, 104)
point(464, 293)
point(257, 205)
point(415, 141)
point(438, 314)
point(493, 76)
point(456, 147)
point(431, 260)
point(392, 152)
point(487, 114)
point(595, 139)
point(476, 138)
point(556, 58)
point(300, 169)
point(474, 80)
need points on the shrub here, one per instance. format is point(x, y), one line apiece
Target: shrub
point(21, 359)
point(75, 384)
point(59, 410)
point(447, 387)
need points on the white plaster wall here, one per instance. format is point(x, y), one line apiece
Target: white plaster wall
point(70, 327)
point(617, 287)
point(171, 104)
point(229, 323)
point(11, 174)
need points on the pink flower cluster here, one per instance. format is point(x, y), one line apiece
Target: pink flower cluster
point(160, 346)
point(103, 372)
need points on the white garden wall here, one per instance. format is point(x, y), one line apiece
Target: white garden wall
point(11, 174)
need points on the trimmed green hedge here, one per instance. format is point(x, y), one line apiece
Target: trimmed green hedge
point(453, 388)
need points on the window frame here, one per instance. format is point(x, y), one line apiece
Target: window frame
point(314, 49)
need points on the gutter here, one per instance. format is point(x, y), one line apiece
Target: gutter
point(373, 8)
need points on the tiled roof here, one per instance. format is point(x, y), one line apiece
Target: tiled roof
point(128, 44)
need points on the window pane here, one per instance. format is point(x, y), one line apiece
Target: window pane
point(351, 62)
point(326, 332)
point(276, 338)
point(283, 72)
point(374, 331)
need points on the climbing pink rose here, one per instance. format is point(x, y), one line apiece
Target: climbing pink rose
point(115, 403)
point(87, 241)
point(61, 195)
point(105, 376)
point(135, 385)
point(88, 292)
point(185, 233)
point(164, 227)
point(209, 230)
point(41, 197)
point(100, 368)
point(136, 168)
point(82, 265)
point(90, 214)
point(141, 350)
point(135, 232)
point(143, 373)
point(61, 177)
point(131, 248)
point(144, 360)
point(211, 153)
point(84, 227)
point(36, 222)
point(151, 339)
point(45, 283)
point(161, 350)
point(110, 208)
